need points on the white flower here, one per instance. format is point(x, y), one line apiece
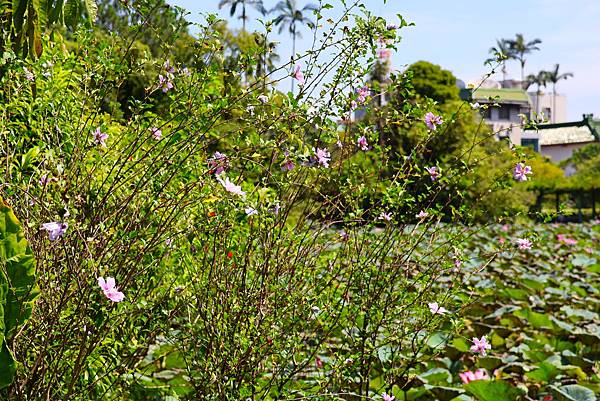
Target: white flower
point(231, 187)
point(436, 309)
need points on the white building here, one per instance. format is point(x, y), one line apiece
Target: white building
point(559, 141)
point(503, 111)
point(552, 108)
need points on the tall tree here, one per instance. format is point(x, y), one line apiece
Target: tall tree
point(540, 80)
point(257, 4)
point(520, 48)
point(156, 22)
point(501, 52)
point(290, 16)
point(554, 76)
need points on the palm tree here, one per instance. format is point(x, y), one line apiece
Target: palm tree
point(291, 16)
point(257, 4)
point(541, 80)
point(519, 48)
point(501, 52)
point(554, 77)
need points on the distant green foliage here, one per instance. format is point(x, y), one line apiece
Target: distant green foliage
point(586, 162)
point(18, 288)
point(431, 81)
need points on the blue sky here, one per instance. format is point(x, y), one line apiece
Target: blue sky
point(457, 35)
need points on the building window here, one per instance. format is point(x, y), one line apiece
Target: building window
point(504, 113)
point(548, 113)
point(532, 143)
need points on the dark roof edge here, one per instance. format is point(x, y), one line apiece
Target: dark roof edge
point(564, 144)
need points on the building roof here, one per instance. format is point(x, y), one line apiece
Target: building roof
point(500, 95)
point(586, 130)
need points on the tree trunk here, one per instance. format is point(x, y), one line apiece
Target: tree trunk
point(293, 54)
point(553, 102)
point(244, 16)
point(522, 73)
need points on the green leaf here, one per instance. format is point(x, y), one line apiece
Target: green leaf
point(497, 390)
point(573, 392)
point(28, 158)
point(537, 320)
point(18, 288)
point(436, 376)
point(55, 13)
point(8, 367)
point(438, 339)
point(544, 372)
point(444, 393)
point(72, 11)
point(19, 7)
point(92, 10)
point(579, 313)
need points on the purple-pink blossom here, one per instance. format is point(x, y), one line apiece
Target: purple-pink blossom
point(164, 83)
point(434, 174)
point(298, 75)
point(385, 216)
point(422, 214)
point(363, 93)
point(323, 157)
point(524, 243)
point(156, 133)
point(288, 165)
point(44, 180)
point(565, 240)
point(29, 75)
point(168, 67)
point(469, 376)
point(231, 187)
point(436, 309)
point(432, 121)
point(55, 229)
point(100, 137)
point(387, 397)
point(383, 53)
point(218, 163)
point(362, 143)
point(110, 290)
point(480, 345)
point(521, 171)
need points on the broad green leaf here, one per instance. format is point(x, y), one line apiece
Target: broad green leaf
point(72, 11)
point(537, 320)
point(497, 390)
point(573, 392)
point(8, 367)
point(92, 10)
point(443, 393)
point(544, 372)
point(19, 7)
point(18, 288)
point(436, 376)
